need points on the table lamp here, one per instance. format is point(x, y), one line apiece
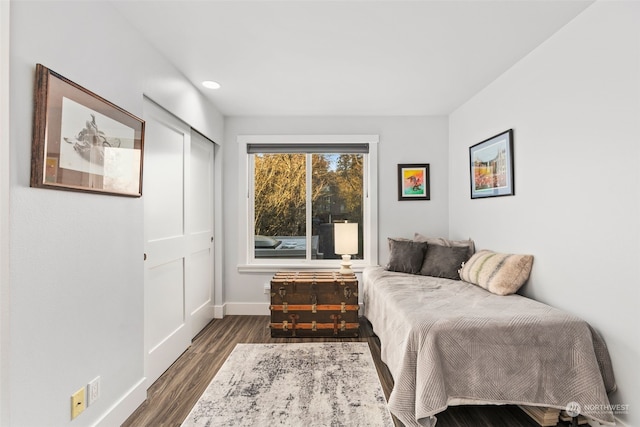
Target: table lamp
point(346, 243)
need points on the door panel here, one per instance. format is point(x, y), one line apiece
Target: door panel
point(167, 332)
point(200, 273)
point(164, 179)
point(178, 200)
point(200, 263)
point(201, 191)
point(167, 283)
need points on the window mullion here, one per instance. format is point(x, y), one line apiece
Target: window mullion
point(308, 207)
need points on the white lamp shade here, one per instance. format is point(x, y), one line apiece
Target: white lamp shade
point(346, 238)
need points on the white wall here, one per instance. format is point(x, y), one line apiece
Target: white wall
point(574, 105)
point(4, 212)
point(402, 140)
point(76, 268)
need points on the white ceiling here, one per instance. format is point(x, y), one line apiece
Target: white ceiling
point(346, 57)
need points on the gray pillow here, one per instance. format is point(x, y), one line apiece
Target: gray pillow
point(406, 256)
point(469, 244)
point(444, 261)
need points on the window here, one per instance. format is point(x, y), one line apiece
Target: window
point(298, 188)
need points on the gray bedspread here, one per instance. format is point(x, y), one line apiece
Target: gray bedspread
point(447, 341)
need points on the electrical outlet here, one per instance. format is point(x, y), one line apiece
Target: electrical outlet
point(267, 289)
point(93, 391)
point(78, 402)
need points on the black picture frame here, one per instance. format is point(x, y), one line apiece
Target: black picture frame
point(82, 142)
point(491, 167)
point(414, 181)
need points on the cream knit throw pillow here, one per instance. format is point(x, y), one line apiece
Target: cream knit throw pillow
point(501, 274)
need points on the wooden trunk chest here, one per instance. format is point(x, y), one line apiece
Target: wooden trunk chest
point(314, 304)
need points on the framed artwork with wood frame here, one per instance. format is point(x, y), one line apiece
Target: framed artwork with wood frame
point(413, 181)
point(491, 166)
point(82, 142)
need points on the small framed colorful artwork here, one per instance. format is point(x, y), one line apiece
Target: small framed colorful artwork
point(491, 166)
point(413, 181)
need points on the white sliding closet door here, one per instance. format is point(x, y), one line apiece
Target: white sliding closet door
point(178, 203)
point(199, 295)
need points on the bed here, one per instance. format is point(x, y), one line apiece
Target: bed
point(448, 342)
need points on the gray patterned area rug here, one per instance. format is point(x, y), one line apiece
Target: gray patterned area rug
point(295, 384)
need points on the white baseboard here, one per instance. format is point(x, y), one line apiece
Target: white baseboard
point(123, 408)
point(218, 311)
point(247, 308)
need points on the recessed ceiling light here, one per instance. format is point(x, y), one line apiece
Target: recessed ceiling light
point(211, 84)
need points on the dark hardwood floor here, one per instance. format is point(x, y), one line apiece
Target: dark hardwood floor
point(173, 395)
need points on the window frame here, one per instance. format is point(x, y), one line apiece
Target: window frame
point(247, 260)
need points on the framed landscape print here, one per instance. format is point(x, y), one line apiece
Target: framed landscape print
point(82, 142)
point(491, 166)
point(413, 181)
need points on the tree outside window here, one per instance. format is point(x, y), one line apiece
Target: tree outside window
point(282, 193)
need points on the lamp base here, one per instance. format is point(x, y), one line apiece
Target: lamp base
point(345, 265)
